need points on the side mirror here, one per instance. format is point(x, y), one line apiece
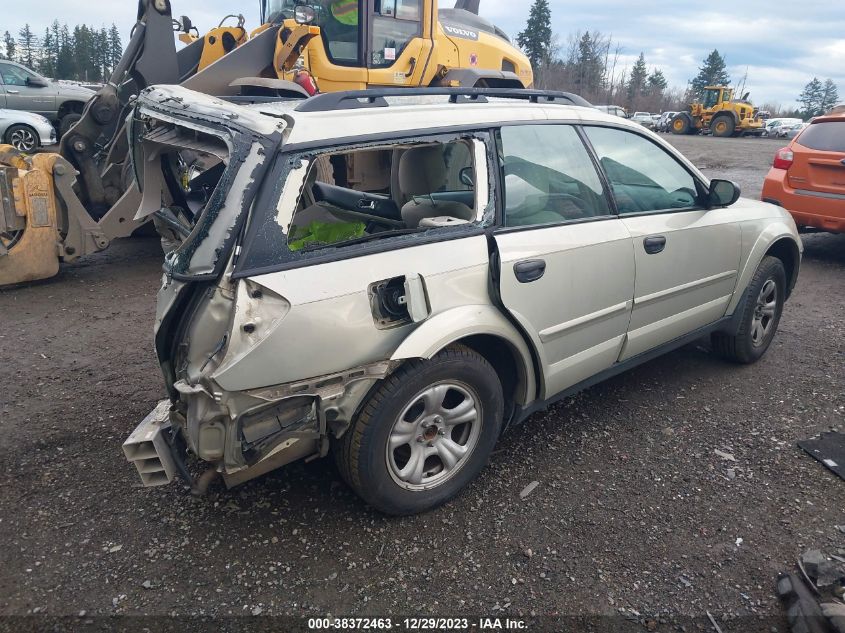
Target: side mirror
point(466, 177)
point(722, 193)
point(36, 82)
point(304, 14)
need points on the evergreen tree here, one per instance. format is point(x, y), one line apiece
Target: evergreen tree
point(66, 59)
point(29, 46)
point(637, 81)
point(85, 54)
point(811, 97)
point(587, 68)
point(115, 47)
point(536, 39)
point(829, 96)
point(11, 46)
point(713, 72)
point(47, 63)
point(657, 82)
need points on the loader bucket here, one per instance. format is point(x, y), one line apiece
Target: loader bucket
point(29, 235)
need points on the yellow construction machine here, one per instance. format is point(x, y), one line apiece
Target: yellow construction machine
point(720, 114)
point(59, 207)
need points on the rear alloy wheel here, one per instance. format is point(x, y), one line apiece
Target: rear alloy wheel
point(425, 433)
point(723, 126)
point(23, 138)
point(762, 309)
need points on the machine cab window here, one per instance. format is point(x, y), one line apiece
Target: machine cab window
point(395, 24)
point(340, 23)
point(711, 97)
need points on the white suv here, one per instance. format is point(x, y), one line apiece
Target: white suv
point(396, 277)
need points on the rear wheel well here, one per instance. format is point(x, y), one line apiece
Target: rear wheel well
point(786, 250)
point(504, 360)
point(71, 107)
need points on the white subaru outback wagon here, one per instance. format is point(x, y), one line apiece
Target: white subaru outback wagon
point(395, 277)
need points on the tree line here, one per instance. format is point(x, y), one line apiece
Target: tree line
point(589, 65)
point(83, 54)
point(817, 97)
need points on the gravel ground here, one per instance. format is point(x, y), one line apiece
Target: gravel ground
point(635, 513)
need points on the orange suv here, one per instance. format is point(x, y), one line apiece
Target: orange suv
point(808, 176)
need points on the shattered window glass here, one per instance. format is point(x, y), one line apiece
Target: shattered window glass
point(373, 194)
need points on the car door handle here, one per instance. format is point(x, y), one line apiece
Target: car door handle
point(13, 92)
point(842, 161)
point(529, 270)
point(654, 244)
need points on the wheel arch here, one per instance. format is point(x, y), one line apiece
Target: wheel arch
point(731, 114)
point(485, 330)
point(70, 107)
point(777, 241)
point(786, 250)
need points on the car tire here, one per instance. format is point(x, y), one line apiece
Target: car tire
point(723, 126)
point(451, 406)
point(23, 138)
point(761, 311)
point(67, 122)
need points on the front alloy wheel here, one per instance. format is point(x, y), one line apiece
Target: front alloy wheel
point(22, 138)
point(761, 311)
point(764, 313)
point(424, 433)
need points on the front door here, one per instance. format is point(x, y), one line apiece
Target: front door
point(566, 263)
point(21, 96)
point(400, 42)
point(687, 257)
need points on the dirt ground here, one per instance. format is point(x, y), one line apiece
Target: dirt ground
point(635, 514)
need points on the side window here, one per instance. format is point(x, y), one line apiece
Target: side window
point(12, 75)
point(375, 192)
point(395, 24)
point(643, 175)
point(549, 176)
point(340, 22)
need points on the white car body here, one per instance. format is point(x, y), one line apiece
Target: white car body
point(273, 348)
point(773, 125)
point(42, 131)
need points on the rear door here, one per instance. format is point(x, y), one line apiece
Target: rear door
point(819, 160)
point(687, 257)
point(566, 262)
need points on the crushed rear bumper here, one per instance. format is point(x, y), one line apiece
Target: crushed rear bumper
point(148, 448)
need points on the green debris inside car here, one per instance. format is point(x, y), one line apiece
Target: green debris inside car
point(324, 233)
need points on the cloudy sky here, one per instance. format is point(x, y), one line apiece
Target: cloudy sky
point(782, 46)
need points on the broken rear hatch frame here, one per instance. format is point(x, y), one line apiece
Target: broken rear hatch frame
point(252, 140)
point(250, 136)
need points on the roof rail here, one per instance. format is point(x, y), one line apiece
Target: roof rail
point(376, 97)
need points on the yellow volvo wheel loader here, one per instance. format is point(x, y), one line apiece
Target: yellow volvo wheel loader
point(58, 207)
point(720, 114)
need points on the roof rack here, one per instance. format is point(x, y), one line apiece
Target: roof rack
point(376, 97)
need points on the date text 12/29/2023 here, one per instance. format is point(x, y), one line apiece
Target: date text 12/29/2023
point(416, 624)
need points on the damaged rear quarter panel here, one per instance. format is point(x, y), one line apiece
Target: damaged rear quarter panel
point(330, 327)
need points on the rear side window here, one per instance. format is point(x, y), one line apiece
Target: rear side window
point(644, 176)
point(825, 136)
point(549, 176)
